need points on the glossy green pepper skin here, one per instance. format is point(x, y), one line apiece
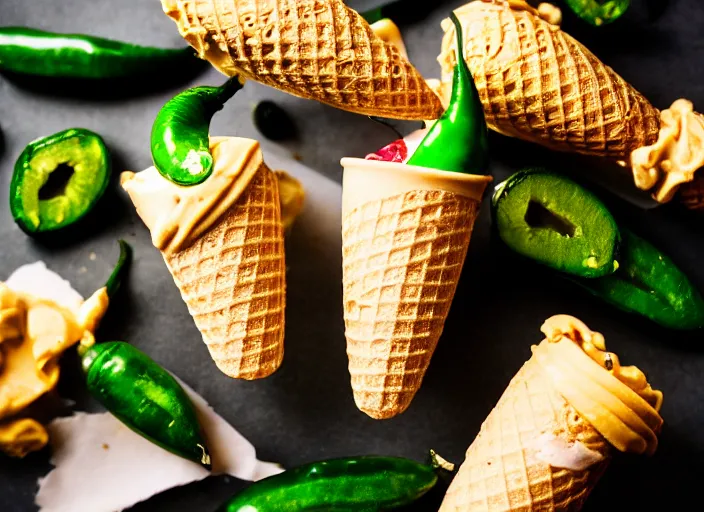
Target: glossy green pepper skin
point(123, 263)
point(650, 284)
point(640, 278)
point(359, 484)
point(458, 140)
point(28, 51)
point(145, 397)
point(84, 155)
point(179, 141)
point(598, 12)
point(554, 221)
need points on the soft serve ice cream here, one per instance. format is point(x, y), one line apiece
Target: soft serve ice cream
point(35, 329)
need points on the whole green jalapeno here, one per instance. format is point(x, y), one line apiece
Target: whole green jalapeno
point(356, 484)
point(552, 220)
point(58, 180)
point(35, 52)
point(649, 283)
point(458, 140)
point(139, 392)
point(145, 397)
point(179, 141)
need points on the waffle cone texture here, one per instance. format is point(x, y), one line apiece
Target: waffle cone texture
point(402, 259)
point(233, 280)
point(539, 84)
point(501, 472)
point(315, 49)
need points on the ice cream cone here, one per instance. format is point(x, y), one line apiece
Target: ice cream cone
point(316, 49)
point(405, 233)
point(231, 272)
point(535, 450)
point(233, 281)
point(501, 471)
point(539, 84)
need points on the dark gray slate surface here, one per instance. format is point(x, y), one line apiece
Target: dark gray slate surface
point(305, 411)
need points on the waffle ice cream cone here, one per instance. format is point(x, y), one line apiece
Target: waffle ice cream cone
point(501, 474)
point(315, 49)
point(233, 280)
point(405, 233)
point(539, 84)
point(232, 275)
point(536, 451)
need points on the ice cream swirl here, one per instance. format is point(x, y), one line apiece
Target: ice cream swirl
point(677, 154)
point(177, 216)
point(617, 400)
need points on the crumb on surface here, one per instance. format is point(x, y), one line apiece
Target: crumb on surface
point(105, 446)
point(550, 13)
point(92, 256)
point(297, 156)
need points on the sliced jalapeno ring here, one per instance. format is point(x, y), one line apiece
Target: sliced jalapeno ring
point(649, 283)
point(351, 484)
point(145, 397)
point(179, 140)
point(554, 221)
point(58, 179)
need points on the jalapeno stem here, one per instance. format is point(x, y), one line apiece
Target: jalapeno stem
point(445, 469)
point(123, 263)
point(439, 462)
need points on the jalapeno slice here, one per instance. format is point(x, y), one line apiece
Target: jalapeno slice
point(552, 220)
point(58, 179)
point(145, 397)
point(650, 284)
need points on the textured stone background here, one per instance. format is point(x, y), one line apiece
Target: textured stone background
point(305, 411)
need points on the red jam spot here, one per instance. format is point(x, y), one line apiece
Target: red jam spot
point(397, 151)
